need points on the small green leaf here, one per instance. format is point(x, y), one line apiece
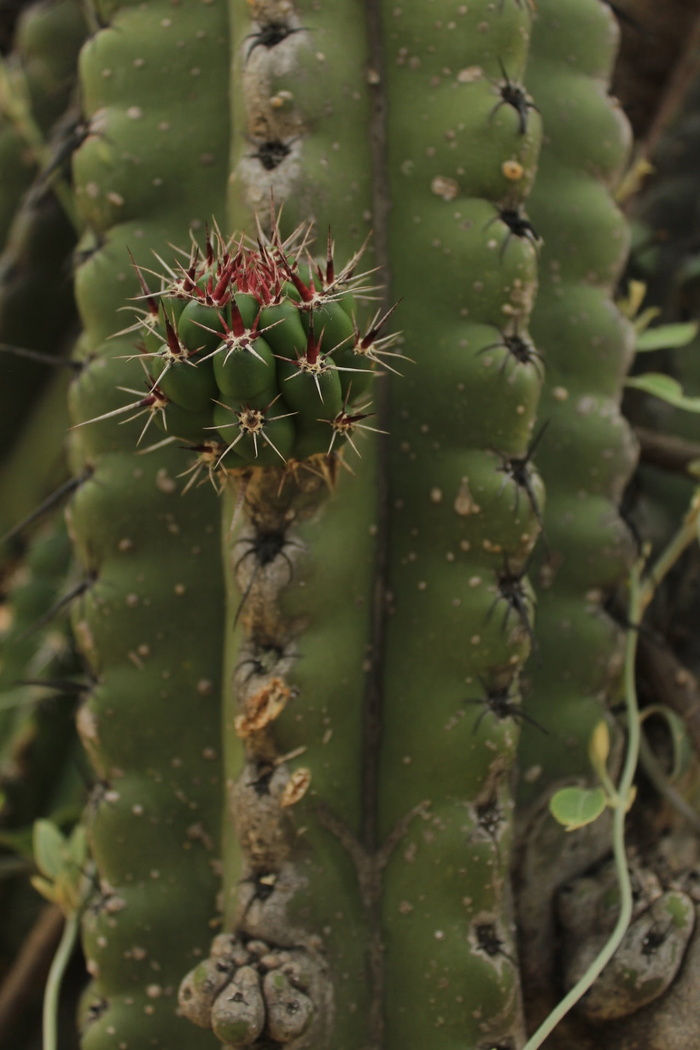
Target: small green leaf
point(666, 389)
point(631, 304)
point(49, 845)
point(77, 851)
point(631, 798)
point(574, 807)
point(667, 336)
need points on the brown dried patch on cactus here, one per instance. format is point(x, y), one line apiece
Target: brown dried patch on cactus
point(263, 707)
point(296, 787)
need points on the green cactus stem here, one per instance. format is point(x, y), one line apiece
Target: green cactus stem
point(588, 452)
point(463, 140)
point(587, 344)
point(300, 562)
point(150, 623)
point(466, 505)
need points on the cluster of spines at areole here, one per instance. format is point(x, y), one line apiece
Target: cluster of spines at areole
point(253, 352)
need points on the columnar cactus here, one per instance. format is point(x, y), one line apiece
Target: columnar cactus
point(587, 343)
point(296, 872)
point(151, 620)
point(587, 453)
point(467, 500)
point(463, 136)
point(33, 647)
point(361, 680)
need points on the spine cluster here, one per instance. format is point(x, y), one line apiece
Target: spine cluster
point(255, 357)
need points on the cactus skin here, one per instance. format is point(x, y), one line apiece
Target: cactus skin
point(457, 460)
point(150, 623)
point(41, 67)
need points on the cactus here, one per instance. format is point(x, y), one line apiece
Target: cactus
point(587, 454)
point(308, 680)
point(151, 618)
point(466, 505)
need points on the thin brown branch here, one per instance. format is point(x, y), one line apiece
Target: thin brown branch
point(683, 75)
point(654, 43)
point(30, 968)
point(667, 451)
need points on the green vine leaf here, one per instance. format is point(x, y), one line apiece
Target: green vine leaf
point(61, 861)
point(574, 807)
point(49, 846)
point(666, 389)
point(667, 336)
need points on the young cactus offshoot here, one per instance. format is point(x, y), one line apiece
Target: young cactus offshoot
point(255, 347)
